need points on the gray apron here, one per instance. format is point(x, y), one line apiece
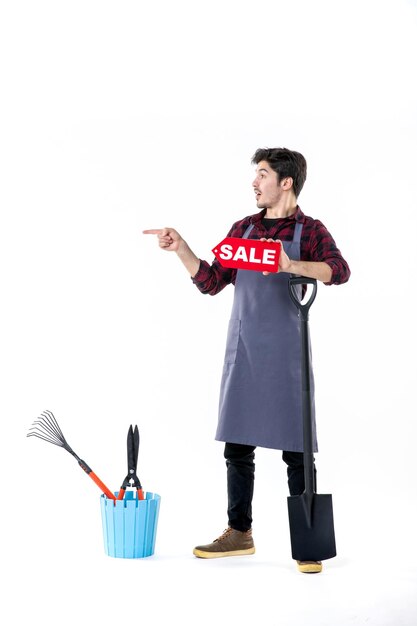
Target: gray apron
point(260, 396)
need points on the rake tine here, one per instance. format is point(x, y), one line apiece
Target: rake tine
point(55, 423)
point(40, 428)
point(47, 439)
point(42, 434)
point(48, 418)
point(46, 428)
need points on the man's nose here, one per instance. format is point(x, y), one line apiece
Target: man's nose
point(255, 182)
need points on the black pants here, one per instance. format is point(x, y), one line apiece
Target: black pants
point(240, 462)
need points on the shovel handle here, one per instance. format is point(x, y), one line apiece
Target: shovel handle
point(303, 307)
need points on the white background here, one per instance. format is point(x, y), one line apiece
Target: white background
point(121, 116)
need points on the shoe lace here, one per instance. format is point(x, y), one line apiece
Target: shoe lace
point(225, 534)
point(228, 531)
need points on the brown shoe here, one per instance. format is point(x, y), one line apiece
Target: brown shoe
point(231, 543)
point(309, 567)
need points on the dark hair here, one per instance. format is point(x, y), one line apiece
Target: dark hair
point(285, 163)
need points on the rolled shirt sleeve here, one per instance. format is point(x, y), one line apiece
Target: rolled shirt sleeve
point(213, 278)
point(322, 248)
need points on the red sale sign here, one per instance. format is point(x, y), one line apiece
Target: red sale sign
point(248, 254)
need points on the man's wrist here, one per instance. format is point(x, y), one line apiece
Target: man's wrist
point(188, 258)
point(183, 249)
point(293, 267)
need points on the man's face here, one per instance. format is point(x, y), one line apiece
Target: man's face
point(267, 189)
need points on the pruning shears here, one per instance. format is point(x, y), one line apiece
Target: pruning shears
point(132, 479)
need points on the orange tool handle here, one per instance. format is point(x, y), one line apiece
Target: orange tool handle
point(102, 486)
point(121, 494)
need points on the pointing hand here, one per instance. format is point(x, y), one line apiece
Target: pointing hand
point(168, 238)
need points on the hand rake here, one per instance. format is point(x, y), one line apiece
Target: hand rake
point(46, 427)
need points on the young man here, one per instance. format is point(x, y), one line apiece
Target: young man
point(260, 397)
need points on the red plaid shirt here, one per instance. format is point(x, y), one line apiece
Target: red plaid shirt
point(317, 244)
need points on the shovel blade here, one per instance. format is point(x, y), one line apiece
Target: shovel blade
point(311, 527)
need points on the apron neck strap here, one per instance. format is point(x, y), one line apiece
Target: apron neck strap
point(297, 233)
point(247, 231)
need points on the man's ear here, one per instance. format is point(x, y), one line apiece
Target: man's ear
point(286, 183)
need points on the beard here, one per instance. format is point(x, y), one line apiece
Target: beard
point(261, 204)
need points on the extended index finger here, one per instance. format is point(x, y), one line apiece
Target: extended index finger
point(153, 231)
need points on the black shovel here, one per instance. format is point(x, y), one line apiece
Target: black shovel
point(310, 514)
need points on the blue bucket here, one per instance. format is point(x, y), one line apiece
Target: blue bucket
point(129, 525)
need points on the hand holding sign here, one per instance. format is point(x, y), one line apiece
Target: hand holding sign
point(259, 255)
point(284, 261)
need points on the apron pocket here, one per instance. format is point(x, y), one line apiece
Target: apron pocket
point(232, 342)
